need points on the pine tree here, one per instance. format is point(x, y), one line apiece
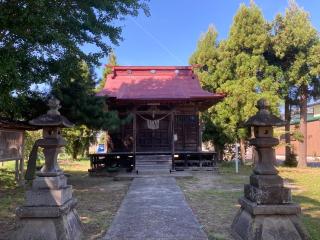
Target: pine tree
point(296, 45)
point(79, 103)
point(112, 61)
point(244, 72)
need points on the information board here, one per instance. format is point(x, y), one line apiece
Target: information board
point(11, 145)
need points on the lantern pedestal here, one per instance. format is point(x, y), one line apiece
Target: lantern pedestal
point(267, 222)
point(267, 211)
point(49, 210)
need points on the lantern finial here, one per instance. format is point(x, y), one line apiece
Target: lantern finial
point(54, 105)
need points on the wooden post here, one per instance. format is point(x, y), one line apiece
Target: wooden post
point(21, 178)
point(17, 170)
point(200, 132)
point(134, 132)
point(172, 138)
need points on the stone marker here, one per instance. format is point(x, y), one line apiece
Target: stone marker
point(267, 211)
point(49, 210)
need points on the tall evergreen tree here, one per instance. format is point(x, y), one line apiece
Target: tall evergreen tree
point(76, 90)
point(112, 61)
point(205, 60)
point(244, 72)
point(296, 45)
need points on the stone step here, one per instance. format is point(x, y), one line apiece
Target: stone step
point(153, 161)
point(152, 167)
point(153, 164)
point(153, 157)
point(148, 160)
point(153, 172)
point(156, 160)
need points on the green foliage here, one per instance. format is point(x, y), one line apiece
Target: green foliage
point(42, 42)
point(291, 161)
point(30, 138)
point(239, 68)
point(112, 61)
point(296, 45)
point(296, 48)
point(205, 59)
point(245, 73)
point(78, 140)
point(79, 103)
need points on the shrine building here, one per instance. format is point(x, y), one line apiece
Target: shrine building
point(161, 106)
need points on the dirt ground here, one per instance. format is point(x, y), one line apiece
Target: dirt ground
point(98, 200)
point(213, 198)
point(96, 213)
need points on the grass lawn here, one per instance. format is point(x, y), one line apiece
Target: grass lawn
point(98, 198)
point(213, 197)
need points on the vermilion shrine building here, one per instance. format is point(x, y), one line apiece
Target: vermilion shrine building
point(164, 104)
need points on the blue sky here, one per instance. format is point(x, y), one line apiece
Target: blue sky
point(170, 34)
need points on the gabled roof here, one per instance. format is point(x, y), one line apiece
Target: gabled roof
point(16, 125)
point(150, 83)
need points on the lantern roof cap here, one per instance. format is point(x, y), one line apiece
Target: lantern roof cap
point(263, 117)
point(52, 118)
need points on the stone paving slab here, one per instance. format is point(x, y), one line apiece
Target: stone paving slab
point(155, 209)
point(131, 176)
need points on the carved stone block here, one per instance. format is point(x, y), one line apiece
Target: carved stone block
point(267, 195)
point(48, 197)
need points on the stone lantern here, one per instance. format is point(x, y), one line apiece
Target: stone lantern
point(49, 210)
point(267, 211)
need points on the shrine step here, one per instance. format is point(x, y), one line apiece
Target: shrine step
point(153, 163)
point(153, 158)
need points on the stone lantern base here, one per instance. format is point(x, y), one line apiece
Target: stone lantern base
point(268, 222)
point(49, 211)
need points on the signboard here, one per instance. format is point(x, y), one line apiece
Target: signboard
point(11, 145)
point(100, 148)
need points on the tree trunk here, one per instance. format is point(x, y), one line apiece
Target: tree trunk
point(287, 116)
point(242, 150)
point(303, 126)
point(219, 150)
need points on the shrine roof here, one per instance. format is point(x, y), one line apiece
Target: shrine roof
point(16, 125)
point(155, 83)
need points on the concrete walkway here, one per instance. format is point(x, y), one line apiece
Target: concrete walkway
point(155, 208)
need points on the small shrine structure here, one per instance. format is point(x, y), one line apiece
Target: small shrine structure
point(164, 103)
point(12, 136)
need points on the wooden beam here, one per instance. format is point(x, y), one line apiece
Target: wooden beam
point(172, 138)
point(134, 131)
point(200, 132)
point(172, 131)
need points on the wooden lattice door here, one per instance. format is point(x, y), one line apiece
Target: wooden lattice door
point(153, 140)
point(187, 129)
